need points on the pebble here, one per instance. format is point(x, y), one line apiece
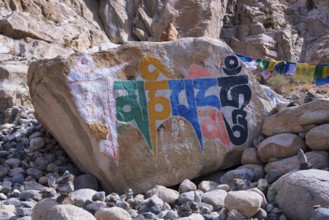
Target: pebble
point(35, 173)
point(37, 143)
point(99, 196)
point(3, 196)
point(13, 162)
point(186, 186)
point(24, 211)
point(3, 171)
point(18, 178)
point(13, 201)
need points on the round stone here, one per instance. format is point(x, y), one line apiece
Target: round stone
point(13, 162)
point(37, 143)
point(3, 171)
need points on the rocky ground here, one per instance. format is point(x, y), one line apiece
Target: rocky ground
point(39, 181)
point(34, 167)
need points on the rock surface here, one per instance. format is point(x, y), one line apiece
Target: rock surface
point(294, 119)
point(280, 146)
point(246, 202)
point(318, 138)
point(171, 140)
point(301, 190)
point(318, 159)
point(155, 20)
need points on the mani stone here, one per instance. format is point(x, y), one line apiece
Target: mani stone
point(146, 114)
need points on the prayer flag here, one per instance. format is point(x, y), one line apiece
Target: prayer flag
point(304, 73)
point(321, 74)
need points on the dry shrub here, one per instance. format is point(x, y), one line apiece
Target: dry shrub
point(306, 87)
point(279, 83)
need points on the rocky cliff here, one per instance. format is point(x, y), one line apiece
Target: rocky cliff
point(292, 30)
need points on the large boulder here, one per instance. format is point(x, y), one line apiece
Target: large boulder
point(280, 146)
point(318, 138)
point(297, 192)
point(318, 159)
point(294, 119)
point(147, 114)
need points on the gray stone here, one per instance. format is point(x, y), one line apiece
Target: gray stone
point(28, 204)
point(186, 197)
point(205, 208)
point(16, 170)
point(6, 186)
point(50, 209)
point(193, 216)
point(13, 162)
point(15, 193)
point(113, 213)
point(53, 168)
point(318, 159)
point(67, 187)
point(166, 206)
point(280, 146)
point(293, 119)
point(94, 207)
point(99, 196)
point(186, 186)
point(35, 135)
point(113, 198)
point(224, 187)
point(12, 201)
point(320, 214)
point(43, 180)
point(3, 171)
point(206, 186)
point(246, 202)
point(214, 198)
point(82, 196)
point(3, 196)
point(250, 156)
point(24, 211)
point(18, 178)
point(261, 214)
point(122, 204)
point(37, 143)
point(155, 201)
point(318, 138)
point(24, 218)
point(301, 190)
point(30, 194)
point(171, 214)
point(35, 173)
point(212, 216)
point(41, 163)
point(167, 195)
point(31, 185)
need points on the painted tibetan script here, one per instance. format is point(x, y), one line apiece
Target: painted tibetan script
point(200, 98)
